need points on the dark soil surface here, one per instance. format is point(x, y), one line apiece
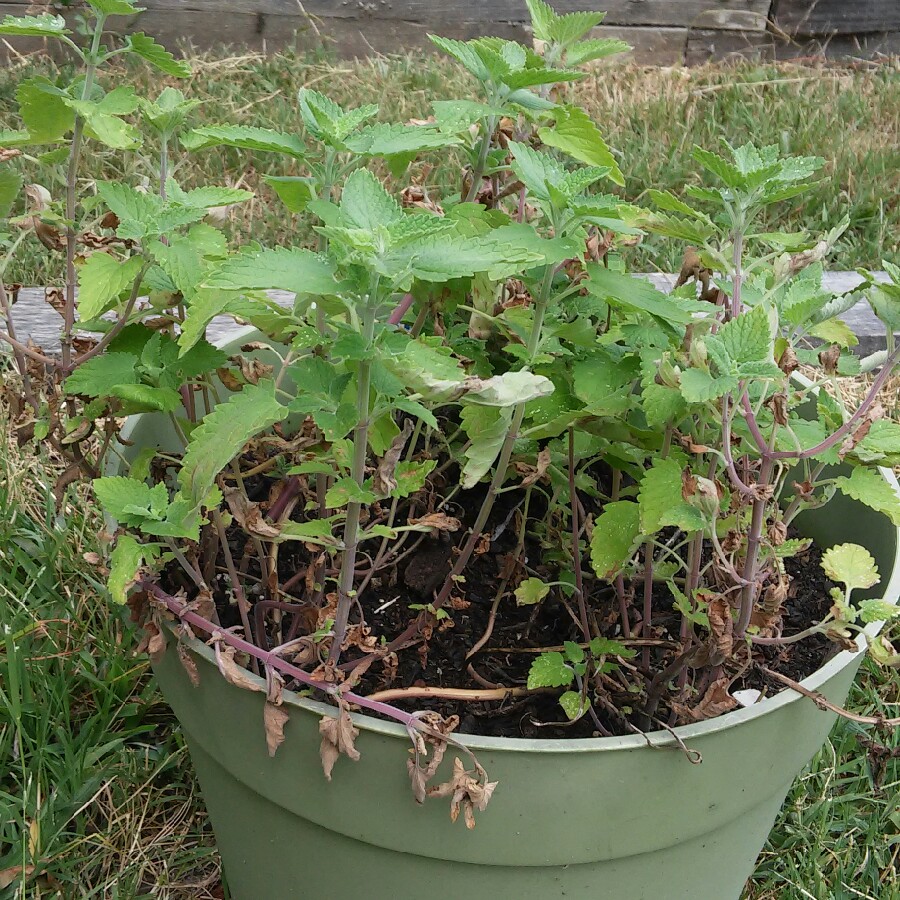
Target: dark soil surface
point(402, 587)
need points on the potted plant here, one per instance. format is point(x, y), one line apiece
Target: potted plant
point(476, 492)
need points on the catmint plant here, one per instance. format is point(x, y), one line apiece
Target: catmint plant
point(467, 367)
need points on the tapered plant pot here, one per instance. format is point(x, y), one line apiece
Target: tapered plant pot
point(620, 818)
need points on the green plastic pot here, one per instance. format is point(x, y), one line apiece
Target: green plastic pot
point(620, 818)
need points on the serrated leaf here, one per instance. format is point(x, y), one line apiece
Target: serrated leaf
point(730, 174)
point(531, 591)
point(877, 611)
point(869, 487)
point(486, 428)
point(116, 7)
point(550, 670)
point(209, 196)
point(661, 501)
point(130, 502)
point(620, 290)
point(10, 186)
point(573, 26)
point(180, 260)
point(157, 55)
point(459, 115)
point(850, 565)
point(662, 405)
point(281, 268)
point(294, 191)
point(34, 26)
point(163, 399)
point(384, 140)
point(543, 17)
point(605, 647)
point(573, 705)
point(574, 133)
point(616, 533)
point(747, 338)
point(44, 110)
point(221, 435)
point(245, 137)
point(346, 490)
point(604, 383)
point(100, 375)
point(835, 331)
point(366, 204)
point(316, 531)
point(101, 278)
point(124, 562)
point(595, 48)
point(699, 386)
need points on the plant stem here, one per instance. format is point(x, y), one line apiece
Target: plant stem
point(737, 276)
point(17, 349)
point(478, 171)
point(576, 548)
point(754, 538)
point(358, 474)
point(71, 176)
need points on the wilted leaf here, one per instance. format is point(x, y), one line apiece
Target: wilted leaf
point(715, 702)
point(338, 736)
point(437, 521)
point(274, 719)
point(232, 672)
point(467, 791)
point(384, 480)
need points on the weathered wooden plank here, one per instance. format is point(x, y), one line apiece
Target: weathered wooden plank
point(704, 46)
point(35, 319)
point(726, 14)
point(823, 17)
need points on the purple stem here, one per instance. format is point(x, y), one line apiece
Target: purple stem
point(288, 492)
point(268, 658)
point(400, 310)
point(726, 449)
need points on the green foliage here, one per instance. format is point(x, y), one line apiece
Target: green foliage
point(616, 533)
point(851, 565)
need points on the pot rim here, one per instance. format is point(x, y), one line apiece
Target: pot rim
point(651, 739)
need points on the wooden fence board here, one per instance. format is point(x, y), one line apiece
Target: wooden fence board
point(824, 17)
point(726, 14)
point(34, 318)
point(704, 46)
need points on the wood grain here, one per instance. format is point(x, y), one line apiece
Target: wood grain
point(705, 46)
point(34, 318)
point(824, 17)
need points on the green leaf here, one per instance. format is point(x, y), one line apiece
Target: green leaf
point(877, 611)
point(698, 386)
point(286, 269)
point(143, 215)
point(163, 399)
point(575, 25)
point(44, 110)
point(603, 382)
point(620, 290)
point(383, 140)
point(346, 490)
point(100, 375)
point(459, 115)
point(617, 531)
point(124, 563)
point(10, 186)
point(731, 175)
point(543, 18)
point(130, 502)
point(661, 501)
point(115, 7)
point(662, 405)
point(157, 55)
point(366, 204)
point(596, 48)
point(222, 435)
point(101, 278)
point(508, 389)
point(573, 705)
point(486, 429)
point(208, 196)
point(35, 26)
point(575, 134)
point(294, 191)
point(851, 565)
point(180, 260)
point(835, 331)
point(531, 591)
point(316, 531)
point(747, 338)
point(550, 670)
point(604, 647)
point(869, 487)
point(245, 137)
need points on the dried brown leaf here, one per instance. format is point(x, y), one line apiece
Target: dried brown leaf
point(338, 736)
point(274, 720)
point(231, 671)
point(467, 791)
point(189, 663)
point(384, 481)
point(535, 473)
point(438, 521)
point(13, 874)
point(715, 702)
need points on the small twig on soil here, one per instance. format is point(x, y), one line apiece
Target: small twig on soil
point(464, 694)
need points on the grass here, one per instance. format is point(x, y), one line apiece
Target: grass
point(651, 117)
point(96, 788)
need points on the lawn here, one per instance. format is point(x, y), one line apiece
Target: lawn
point(96, 787)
